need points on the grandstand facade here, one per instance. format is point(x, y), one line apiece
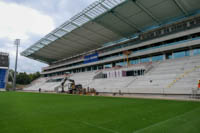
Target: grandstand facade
point(129, 46)
point(4, 70)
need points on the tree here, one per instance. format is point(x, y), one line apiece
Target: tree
point(23, 78)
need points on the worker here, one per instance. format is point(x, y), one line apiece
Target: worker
point(199, 85)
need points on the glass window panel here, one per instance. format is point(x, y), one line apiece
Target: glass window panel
point(157, 58)
point(134, 61)
point(196, 52)
point(179, 54)
point(45, 42)
point(69, 27)
point(121, 64)
point(108, 66)
point(60, 33)
point(187, 53)
point(143, 60)
point(51, 37)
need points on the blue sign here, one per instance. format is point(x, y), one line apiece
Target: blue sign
point(91, 58)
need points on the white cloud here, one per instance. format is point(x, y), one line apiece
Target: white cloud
point(17, 21)
point(30, 20)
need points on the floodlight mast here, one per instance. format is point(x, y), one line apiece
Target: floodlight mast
point(17, 43)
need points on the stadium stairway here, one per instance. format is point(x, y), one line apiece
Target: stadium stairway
point(188, 80)
point(161, 79)
point(157, 79)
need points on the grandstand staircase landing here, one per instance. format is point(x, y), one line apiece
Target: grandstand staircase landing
point(186, 73)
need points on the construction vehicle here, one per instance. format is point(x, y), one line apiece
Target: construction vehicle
point(72, 87)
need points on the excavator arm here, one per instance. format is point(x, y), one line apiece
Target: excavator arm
point(70, 80)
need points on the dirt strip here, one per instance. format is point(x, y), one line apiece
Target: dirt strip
point(138, 96)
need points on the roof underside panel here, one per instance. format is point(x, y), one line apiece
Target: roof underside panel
point(134, 15)
point(116, 24)
point(190, 5)
point(163, 10)
point(105, 21)
point(87, 37)
point(102, 31)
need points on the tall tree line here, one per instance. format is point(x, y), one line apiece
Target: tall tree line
point(23, 78)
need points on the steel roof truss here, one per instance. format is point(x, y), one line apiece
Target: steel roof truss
point(59, 33)
point(69, 46)
point(123, 19)
point(103, 36)
point(178, 4)
point(144, 9)
point(111, 28)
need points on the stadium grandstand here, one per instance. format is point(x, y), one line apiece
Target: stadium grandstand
point(126, 46)
point(4, 67)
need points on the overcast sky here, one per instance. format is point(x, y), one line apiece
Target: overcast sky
point(30, 20)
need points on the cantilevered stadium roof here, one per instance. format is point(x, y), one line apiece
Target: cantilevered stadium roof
point(106, 21)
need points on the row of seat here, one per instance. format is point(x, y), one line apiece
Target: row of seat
point(156, 80)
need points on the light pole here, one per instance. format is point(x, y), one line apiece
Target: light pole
point(17, 43)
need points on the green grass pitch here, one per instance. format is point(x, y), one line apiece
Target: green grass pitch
point(51, 113)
